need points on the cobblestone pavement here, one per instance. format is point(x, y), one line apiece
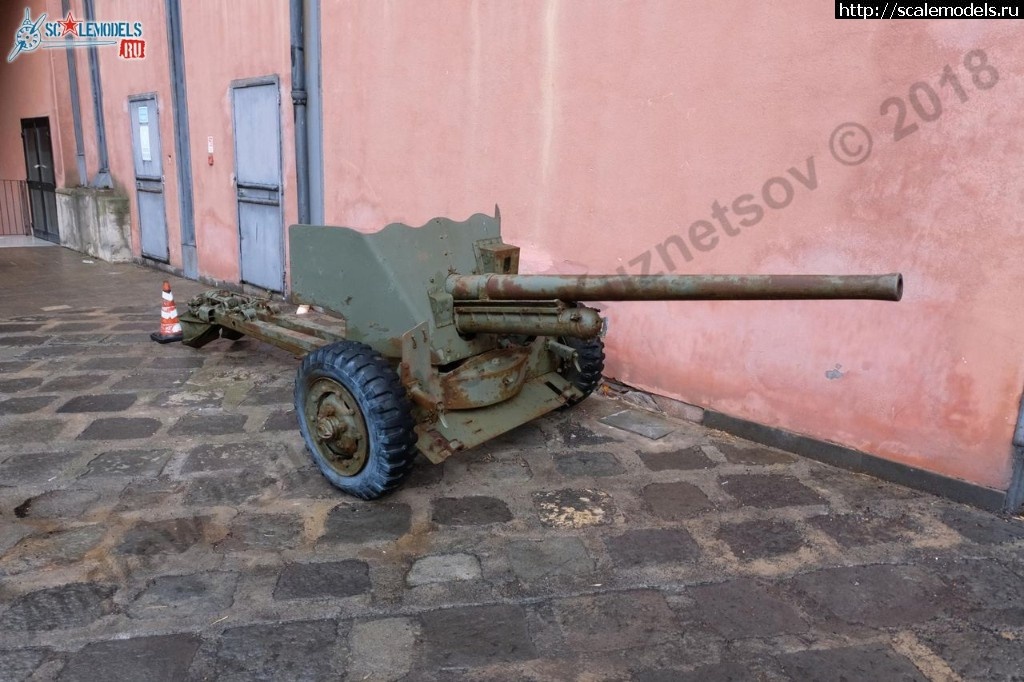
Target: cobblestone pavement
point(159, 519)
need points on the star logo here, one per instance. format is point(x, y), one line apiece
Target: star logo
point(69, 26)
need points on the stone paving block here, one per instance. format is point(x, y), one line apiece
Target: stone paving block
point(62, 327)
point(469, 511)
point(616, 621)
point(53, 548)
point(18, 664)
point(75, 382)
point(443, 568)
point(476, 635)
point(147, 494)
point(574, 508)
point(989, 592)
point(323, 579)
point(766, 491)
point(120, 428)
point(208, 457)
point(227, 489)
point(425, 473)
point(208, 425)
point(34, 467)
point(148, 463)
point(175, 596)
point(178, 362)
point(641, 422)
point(752, 454)
point(123, 362)
point(528, 435)
point(373, 522)
point(68, 503)
point(299, 650)
point(741, 608)
point(382, 649)
point(860, 489)
point(587, 464)
point(263, 531)
point(870, 663)
point(270, 395)
point(675, 501)
point(647, 546)
point(110, 402)
point(726, 671)
point(473, 472)
point(858, 529)
point(573, 433)
point(140, 326)
point(14, 366)
point(31, 430)
point(977, 653)
point(16, 385)
point(676, 460)
point(761, 538)
point(189, 398)
point(153, 380)
point(982, 527)
point(55, 608)
point(161, 537)
point(281, 420)
point(23, 340)
point(875, 595)
point(533, 560)
point(308, 483)
point(18, 327)
point(25, 405)
point(162, 658)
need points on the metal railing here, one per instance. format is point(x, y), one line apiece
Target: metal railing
point(15, 217)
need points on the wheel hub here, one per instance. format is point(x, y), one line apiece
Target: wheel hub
point(332, 414)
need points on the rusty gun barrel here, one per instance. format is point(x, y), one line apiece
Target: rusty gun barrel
point(674, 287)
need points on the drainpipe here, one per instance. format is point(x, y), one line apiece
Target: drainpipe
point(1015, 492)
point(299, 108)
point(182, 148)
point(314, 112)
point(102, 179)
point(76, 105)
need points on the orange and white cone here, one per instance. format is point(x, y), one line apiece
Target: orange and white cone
point(170, 327)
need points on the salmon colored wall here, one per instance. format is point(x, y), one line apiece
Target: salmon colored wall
point(27, 87)
point(121, 79)
point(252, 40)
point(603, 129)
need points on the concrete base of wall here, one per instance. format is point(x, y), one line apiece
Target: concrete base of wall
point(999, 501)
point(96, 222)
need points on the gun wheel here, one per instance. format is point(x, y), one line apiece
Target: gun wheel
point(355, 418)
point(586, 377)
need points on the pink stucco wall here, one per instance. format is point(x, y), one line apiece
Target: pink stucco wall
point(603, 129)
point(607, 131)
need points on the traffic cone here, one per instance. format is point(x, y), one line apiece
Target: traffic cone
point(170, 328)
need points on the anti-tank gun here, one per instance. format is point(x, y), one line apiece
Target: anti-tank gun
point(431, 340)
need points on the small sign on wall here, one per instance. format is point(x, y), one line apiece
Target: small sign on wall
point(144, 147)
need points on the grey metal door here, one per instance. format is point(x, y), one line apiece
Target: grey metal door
point(257, 119)
point(149, 176)
point(42, 183)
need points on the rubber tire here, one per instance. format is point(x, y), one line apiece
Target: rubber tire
point(590, 353)
point(385, 409)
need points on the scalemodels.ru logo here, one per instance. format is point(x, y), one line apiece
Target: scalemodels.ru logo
point(70, 32)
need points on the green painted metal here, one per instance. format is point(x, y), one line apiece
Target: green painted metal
point(673, 287)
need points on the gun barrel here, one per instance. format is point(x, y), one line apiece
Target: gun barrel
point(674, 287)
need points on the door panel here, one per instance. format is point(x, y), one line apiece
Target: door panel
point(257, 119)
point(42, 181)
point(149, 177)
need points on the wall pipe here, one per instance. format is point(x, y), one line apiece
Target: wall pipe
point(76, 104)
point(182, 146)
point(102, 179)
point(298, 53)
point(314, 112)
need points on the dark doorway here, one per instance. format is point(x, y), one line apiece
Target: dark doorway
point(42, 183)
